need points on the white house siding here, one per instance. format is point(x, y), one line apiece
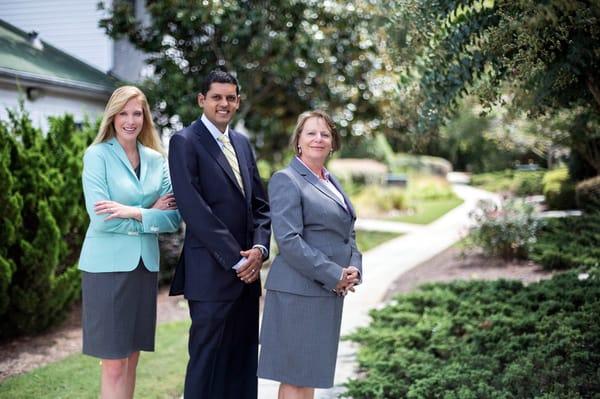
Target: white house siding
point(69, 25)
point(51, 104)
point(72, 26)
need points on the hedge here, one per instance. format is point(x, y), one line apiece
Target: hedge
point(568, 243)
point(587, 194)
point(484, 340)
point(517, 182)
point(43, 221)
point(559, 190)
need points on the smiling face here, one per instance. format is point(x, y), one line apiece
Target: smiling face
point(315, 141)
point(220, 103)
point(129, 121)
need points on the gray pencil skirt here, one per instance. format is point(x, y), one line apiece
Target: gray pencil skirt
point(119, 312)
point(299, 339)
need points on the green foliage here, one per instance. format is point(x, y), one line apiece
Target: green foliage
point(43, 221)
point(507, 230)
point(539, 58)
point(568, 243)
point(484, 340)
point(516, 182)
point(374, 200)
point(587, 194)
point(424, 164)
point(289, 56)
point(559, 190)
point(422, 187)
point(371, 147)
point(545, 50)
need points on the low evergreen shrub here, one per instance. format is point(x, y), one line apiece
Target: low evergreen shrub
point(587, 194)
point(484, 340)
point(567, 243)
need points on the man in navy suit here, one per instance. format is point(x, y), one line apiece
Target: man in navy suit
point(223, 203)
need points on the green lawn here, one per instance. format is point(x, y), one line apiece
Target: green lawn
point(429, 210)
point(366, 240)
point(160, 374)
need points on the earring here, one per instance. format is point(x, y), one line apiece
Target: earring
point(331, 152)
point(299, 150)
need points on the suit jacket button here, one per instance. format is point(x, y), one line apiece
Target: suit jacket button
point(346, 241)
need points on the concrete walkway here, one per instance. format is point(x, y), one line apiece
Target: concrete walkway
point(382, 266)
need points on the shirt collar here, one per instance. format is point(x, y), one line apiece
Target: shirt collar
point(214, 131)
point(325, 171)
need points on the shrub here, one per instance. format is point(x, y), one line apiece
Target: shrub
point(358, 171)
point(425, 164)
point(568, 243)
point(43, 221)
point(429, 188)
point(484, 340)
point(374, 200)
point(559, 190)
point(517, 182)
point(507, 230)
point(587, 194)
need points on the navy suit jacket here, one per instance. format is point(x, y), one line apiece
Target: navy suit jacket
point(220, 219)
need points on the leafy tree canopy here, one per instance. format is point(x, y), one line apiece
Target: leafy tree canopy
point(540, 57)
point(289, 56)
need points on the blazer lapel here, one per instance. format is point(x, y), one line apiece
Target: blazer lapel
point(143, 161)
point(314, 180)
point(120, 152)
point(242, 162)
point(211, 146)
point(337, 185)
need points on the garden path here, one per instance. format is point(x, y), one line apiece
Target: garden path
point(382, 266)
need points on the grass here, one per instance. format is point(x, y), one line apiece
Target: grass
point(366, 240)
point(429, 210)
point(160, 374)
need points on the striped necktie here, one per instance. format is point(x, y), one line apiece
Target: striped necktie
point(229, 153)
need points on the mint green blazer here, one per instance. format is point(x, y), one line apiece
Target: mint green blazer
point(116, 245)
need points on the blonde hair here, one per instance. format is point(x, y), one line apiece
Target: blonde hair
point(148, 136)
point(317, 113)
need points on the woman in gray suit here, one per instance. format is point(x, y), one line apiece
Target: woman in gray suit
point(318, 263)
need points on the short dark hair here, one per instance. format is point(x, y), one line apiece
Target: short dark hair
point(218, 76)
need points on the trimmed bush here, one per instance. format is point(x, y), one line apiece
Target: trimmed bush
point(424, 164)
point(43, 221)
point(568, 243)
point(587, 194)
point(484, 340)
point(559, 190)
point(429, 188)
point(517, 182)
point(507, 230)
point(375, 200)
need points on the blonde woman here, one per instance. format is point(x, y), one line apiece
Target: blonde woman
point(129, 200)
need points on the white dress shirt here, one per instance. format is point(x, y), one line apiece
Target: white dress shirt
point(216, 133)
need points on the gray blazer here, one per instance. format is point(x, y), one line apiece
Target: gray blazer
point(314, 232)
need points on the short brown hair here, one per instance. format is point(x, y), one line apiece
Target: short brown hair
point(317, 113)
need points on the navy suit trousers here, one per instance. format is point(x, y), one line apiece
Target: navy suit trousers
point(223, 349)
